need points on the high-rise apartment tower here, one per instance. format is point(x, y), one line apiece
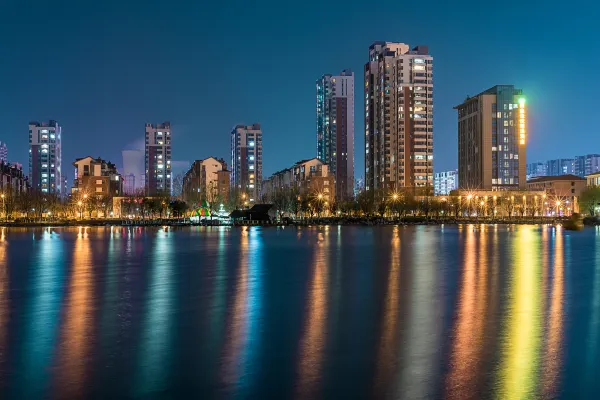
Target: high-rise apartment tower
point(246, 161)
point(158, 159)
point(335, 129)
point(398, 117)
point(45, 158)
point(492, 140)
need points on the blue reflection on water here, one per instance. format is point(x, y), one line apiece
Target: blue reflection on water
point(41, 316)
point(153, 367)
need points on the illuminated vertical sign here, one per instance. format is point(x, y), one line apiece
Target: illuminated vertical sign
point(522, 121)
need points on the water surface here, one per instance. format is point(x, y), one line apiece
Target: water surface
point(300, 313)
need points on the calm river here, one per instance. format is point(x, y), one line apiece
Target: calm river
point(469, 312)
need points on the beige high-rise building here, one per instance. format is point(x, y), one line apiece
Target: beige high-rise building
point(398, 117)
point(492, 140)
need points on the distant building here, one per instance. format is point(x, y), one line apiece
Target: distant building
point(561, 166)
point(536, 169)
point(133, 170)
point(208, 180)
point(398, 93)
point(12, 180)
point(3, 153)
point(246, 160)
point(586, 165)
point(45, 157)
point(158, 159)
point(564, 189)
point(310, 177)
point(335, 128)
point(96, 177)
point(492, 140)
point(445, 182)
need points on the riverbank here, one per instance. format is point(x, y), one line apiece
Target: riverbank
point(361, 221)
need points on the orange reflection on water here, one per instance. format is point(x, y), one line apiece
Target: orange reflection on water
point(76, 330)
point(552, 357)
point(312, 345)
point(467, 353)
point(389, 331)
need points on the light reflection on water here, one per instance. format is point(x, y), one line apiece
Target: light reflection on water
point(337, 312)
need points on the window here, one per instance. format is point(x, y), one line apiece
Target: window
point(98, 181)
point(99, 190)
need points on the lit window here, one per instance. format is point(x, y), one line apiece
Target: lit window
point(251, 158)
point(251, 167)
point(52, 136)
point(161, 166)
point(251, 186)
point(160, 157)
point(251, 144)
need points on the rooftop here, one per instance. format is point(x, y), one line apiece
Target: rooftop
point(568, 177)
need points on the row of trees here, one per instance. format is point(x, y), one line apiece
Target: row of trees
point(387, 203)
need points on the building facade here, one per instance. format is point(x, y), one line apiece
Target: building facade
point(208, 180)
point(335, 128)
point(536, 169)
point(445, 182)
point(593, 179)
point(398, 117)
point(12, 180)
point(96, 177)
point(560, 166)
point(45, 157)
point(246, 160)
point(565, 189)
point(586, 165)
point(158, 179)
point(492, 140)
point(3, 153)
point(311, 178)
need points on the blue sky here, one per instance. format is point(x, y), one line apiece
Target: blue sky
point(103, 70)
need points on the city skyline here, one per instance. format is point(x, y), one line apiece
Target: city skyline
point(122, 94)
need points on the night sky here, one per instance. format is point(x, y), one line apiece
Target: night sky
point(102, 71)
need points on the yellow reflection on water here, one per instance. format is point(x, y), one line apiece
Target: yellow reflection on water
point(467, 348)
point(522, 332)
point(76, 330)
point(312, 345)
point(389, 331)
point(552, 353)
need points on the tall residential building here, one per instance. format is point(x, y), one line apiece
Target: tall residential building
point(335, 128)
point(586, 165)
point(398, 117)
point(536, 169)
point(560, 166)
point(133, 170)
point(208, 180)
point(246, 160)
point(96, 177)
point(3, 153)
point(158, 159)
point(492, 140)
point(445, 182)
point(45, 159)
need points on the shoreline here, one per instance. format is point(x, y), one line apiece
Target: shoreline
point(408, 221)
